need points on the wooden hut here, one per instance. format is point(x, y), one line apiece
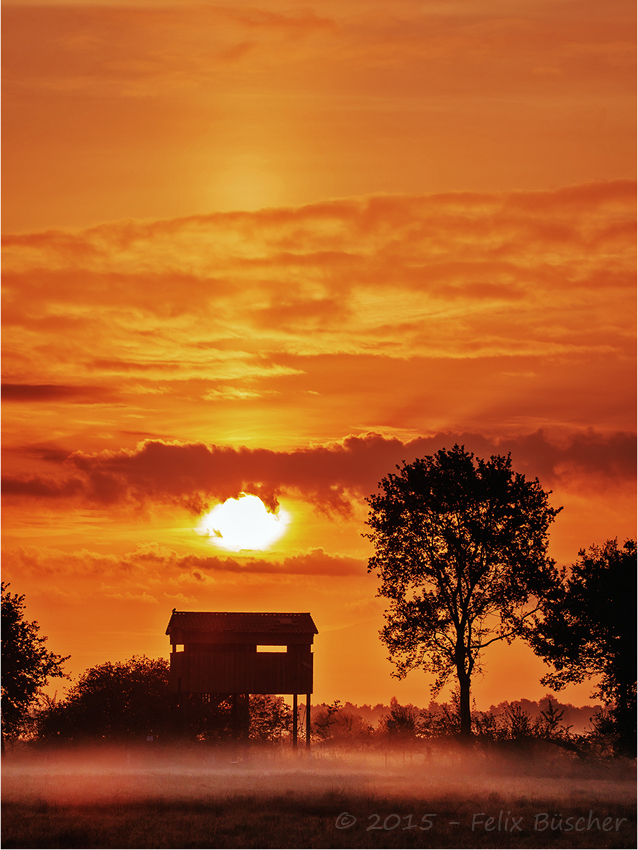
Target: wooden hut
point(233, 654)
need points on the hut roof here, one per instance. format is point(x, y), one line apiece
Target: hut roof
point(223, 621)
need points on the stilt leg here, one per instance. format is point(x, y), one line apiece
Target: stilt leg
point(235, 716)
point(246, 718)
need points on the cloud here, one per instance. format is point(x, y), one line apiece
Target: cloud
point(240, 296)
point(313, 562)
point(180, 599)
point(226, 393)
point(151, 564)
point(54, 392)
point(41, 487)
point(115, 51)
point(127, 596)
point(150, 49)
point(332, 476)
point(457, 314)
point(47, 561)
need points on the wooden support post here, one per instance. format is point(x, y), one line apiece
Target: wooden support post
point(235, 715)
point(182, 709)
point(240, 716)
point(308, 721)
point(294, 721)
point(246, 717)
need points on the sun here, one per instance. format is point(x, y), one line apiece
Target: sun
point(243, 523)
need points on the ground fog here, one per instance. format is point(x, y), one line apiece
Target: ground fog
point(240, 797)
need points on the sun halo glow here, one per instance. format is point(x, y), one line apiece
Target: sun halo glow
point(243, 523)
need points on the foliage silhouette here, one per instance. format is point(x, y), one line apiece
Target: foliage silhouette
point(270, 718)
point(588, 628)
point(401, 721)
point(510, 722)
point(26, 664)
point(130, 700)
point(337, 725)
point(549, 723)
point(461, 551)
point(114, 702)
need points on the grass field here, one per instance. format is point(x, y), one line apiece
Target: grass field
point(380, 800)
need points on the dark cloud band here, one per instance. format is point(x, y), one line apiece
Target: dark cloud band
point(330, 476)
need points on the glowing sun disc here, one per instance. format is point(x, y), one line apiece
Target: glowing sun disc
point(243, 523)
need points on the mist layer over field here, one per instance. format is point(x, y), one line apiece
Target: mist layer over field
point(99, 775)
point(239, 797)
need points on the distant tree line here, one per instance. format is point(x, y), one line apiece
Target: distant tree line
point(406, 725)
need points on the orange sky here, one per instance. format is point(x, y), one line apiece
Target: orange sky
point(279, 249)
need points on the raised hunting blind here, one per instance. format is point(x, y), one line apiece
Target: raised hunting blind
point(222, 655)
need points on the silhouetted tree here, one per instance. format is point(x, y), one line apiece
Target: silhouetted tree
point(549, 724)
point(26, 663)
point(461, 549)
point(404, 719)
point(439, 721)
point(122, 701)
point(324, 718)
point(338, 725)
point(588, 628)
point(518, 722)
point(270, 717)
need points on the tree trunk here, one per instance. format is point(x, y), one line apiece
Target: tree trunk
point(625, 722)
point(464, 704)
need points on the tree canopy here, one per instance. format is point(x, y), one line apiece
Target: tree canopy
point(125, 700)
point(128, 701)
point(270, 717)
point(26, 663)
point(588, 628)
point(461, 551)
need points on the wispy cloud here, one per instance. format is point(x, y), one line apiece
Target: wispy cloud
point(227, 295)
point(139, 572)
